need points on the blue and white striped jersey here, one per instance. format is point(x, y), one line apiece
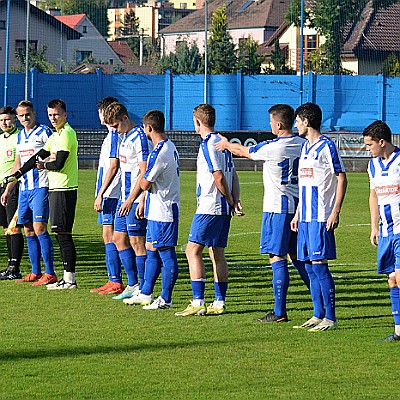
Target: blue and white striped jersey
point(280, 172)
point(209, 198)
point(109, 150)
point(318, 165)
point(163, 198)
point(385, 180)
point(28, 144)
point(135, 148)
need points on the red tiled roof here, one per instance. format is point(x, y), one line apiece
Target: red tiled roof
point(71, 20)
point(123, 51)
point(256, 14)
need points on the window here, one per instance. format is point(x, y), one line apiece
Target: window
point(111, 61)
point(20, 45)
point(183, 5)
point(245, 5)
point(310, 42)
point(82, 55)
point(84, 29)
point(2, 25)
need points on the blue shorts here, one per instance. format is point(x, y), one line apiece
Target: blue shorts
point(388, 254)
point(314, 242)
point(210, 230)
point(276, 236)
point(33, 206)
point(129, 223)
point(106, 217)
point(162, 234)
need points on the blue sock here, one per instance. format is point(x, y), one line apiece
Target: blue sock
point(140, 264)
point(395, 300)
point(151, 271)
point(220, 289)
point(327, 289)
point(301, 269)
point(47, 250)
point(198, 289)
point(169, 273)
point(316, 294)
point(33, 245)
point(127, 257)
point(113, 263)
point(280, 283)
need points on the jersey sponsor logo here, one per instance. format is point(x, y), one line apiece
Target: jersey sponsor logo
point(387, 190)
point(27, 153)
point(9, 153)
point(122, 158)
point(306, 172)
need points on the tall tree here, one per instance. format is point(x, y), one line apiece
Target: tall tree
point(221, 50)
point(37, 59)
point(96, 10)
point(130, 30)
point(186, 60)
point(249, 61)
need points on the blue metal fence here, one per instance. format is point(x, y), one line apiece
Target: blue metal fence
point(348, 102)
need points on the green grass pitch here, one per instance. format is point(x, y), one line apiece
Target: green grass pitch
point(79, 345)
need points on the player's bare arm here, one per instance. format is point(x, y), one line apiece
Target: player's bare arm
point(235, 148)
point(222, 186)
point(333, 220)
point(15, 168)
point(110, 175)
point(294, 223)
point(135, 193)
point(236, 195)
point(373, 209)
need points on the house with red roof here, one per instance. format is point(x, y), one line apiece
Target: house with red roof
point(90, 46)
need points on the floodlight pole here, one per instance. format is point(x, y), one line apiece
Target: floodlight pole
point(28, 17)
point(7, 53)
point(205, 51)
point(301, 50)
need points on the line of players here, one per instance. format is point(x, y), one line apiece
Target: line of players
point(304, 189)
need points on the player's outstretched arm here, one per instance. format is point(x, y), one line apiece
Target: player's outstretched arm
point(235, 148)
point(373, 209)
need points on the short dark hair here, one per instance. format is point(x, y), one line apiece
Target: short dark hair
point(205, 113)
point(114, 112)
point(25, 103)
point(312, 112)
point(105, 102)
point(155, 119)
point(57, 103)
point(7, 110)
point(284, 114)
point(378, 130)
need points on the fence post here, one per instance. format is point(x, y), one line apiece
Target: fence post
point(311, 95)
point(381, 82)
point(239, 100)
point(167, 99)
point(99, 84)
point(33, 83)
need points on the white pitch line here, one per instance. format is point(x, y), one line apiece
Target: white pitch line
point(249, 183)
point(244, 234)
point(358, 225)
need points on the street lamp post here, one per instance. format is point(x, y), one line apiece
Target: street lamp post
point(301, 51)
point(205, 51)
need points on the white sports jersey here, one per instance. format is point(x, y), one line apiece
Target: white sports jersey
point(209, 198)
point(280, 172)
point(163, 172)
point(319, 163)
point(135, 148)
point(29, 144)
point(109, 149)
point(385, 180)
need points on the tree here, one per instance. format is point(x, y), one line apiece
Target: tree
point(221, 50)
point(391, 66)
point(186, 60)
point(37, 59)
point(130, 29)
point(279, 64)
point(96, 10)
point(329, 18)
point(249, 61)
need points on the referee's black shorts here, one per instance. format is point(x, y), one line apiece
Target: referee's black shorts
point(7, 212)
point(62, 210)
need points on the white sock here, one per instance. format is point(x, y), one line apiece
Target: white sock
point(198, 302)
point(219, 303)
point(397, 330)
point(69, 277)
